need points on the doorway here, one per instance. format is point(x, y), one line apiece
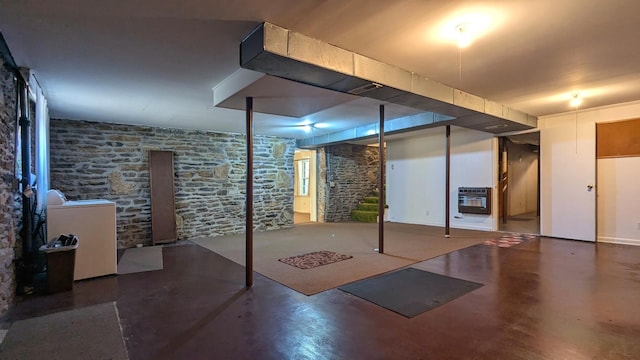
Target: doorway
point(519, 174)
point(304, 187)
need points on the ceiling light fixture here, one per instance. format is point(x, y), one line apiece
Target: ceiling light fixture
point(308, 126)
point(464, 34)
point(463, 29)
point(576, 100)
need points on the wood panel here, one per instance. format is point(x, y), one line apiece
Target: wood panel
point(618, 139)
point(163, 212)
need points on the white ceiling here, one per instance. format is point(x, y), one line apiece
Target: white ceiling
point(155, 62)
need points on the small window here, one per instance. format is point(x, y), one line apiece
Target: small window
point(302, 173)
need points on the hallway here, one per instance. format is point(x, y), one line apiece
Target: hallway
point(528, 223)
point(542, 299)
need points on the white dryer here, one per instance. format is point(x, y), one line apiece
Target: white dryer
point(94, 223)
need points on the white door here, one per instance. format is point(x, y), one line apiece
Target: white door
point(567, 177)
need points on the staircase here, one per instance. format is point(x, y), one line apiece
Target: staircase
point(367, 210)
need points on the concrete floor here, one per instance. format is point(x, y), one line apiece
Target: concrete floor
point(542, 299)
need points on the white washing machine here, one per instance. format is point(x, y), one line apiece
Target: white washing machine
point(94, 223)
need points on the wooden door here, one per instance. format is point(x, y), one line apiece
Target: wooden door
point(163, 212)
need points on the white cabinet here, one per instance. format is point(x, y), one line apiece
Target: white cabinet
point(94, 223)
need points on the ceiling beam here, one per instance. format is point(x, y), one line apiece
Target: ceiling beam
point(283, 53)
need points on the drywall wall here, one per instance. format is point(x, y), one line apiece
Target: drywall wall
point(474, 163)
point(522, 179)
point(619, 200)
point(617, 214)
point(415, 183)
point(416, 174)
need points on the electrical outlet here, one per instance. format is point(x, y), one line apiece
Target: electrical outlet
point(428, 213)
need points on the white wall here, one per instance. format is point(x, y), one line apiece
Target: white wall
point(416, 175)
point(415, 184)
point(474, 163)
point(618, 212)
point(523, 180)
point(619, 200)
point(416, 178)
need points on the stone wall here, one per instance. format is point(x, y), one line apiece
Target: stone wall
point(92, 160)
point(352, 173)
point(8, 217)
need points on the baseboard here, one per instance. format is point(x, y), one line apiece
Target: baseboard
point(437, 224)
point(471, 227)
point(440, 224)
point(620, 241)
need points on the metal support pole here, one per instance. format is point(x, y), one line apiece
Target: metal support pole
point(504, 178)
point(448, 185)
point(25, 144)
point(538, 187)
point(381, 189)
point(249, 195)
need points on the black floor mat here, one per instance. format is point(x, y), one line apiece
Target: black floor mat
point(410, 291)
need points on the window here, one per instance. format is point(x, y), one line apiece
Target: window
point(302, 174)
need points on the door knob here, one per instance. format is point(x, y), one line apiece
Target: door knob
point(589, 187)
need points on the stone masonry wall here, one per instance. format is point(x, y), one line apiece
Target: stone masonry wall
point(8, 216)
point(352, 172)
point(92, 160)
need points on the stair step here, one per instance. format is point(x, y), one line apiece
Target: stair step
point(368, 207)
point(371, 199)
point(364, 216)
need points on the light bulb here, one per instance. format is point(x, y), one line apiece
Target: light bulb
point(464, 34)
point(576, 100)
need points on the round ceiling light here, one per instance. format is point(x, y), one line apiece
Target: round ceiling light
point(576, 100)
point(466, 28)
point(464, 34)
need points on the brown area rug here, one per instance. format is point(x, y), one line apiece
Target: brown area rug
point(405, 244)
point(314, 259)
